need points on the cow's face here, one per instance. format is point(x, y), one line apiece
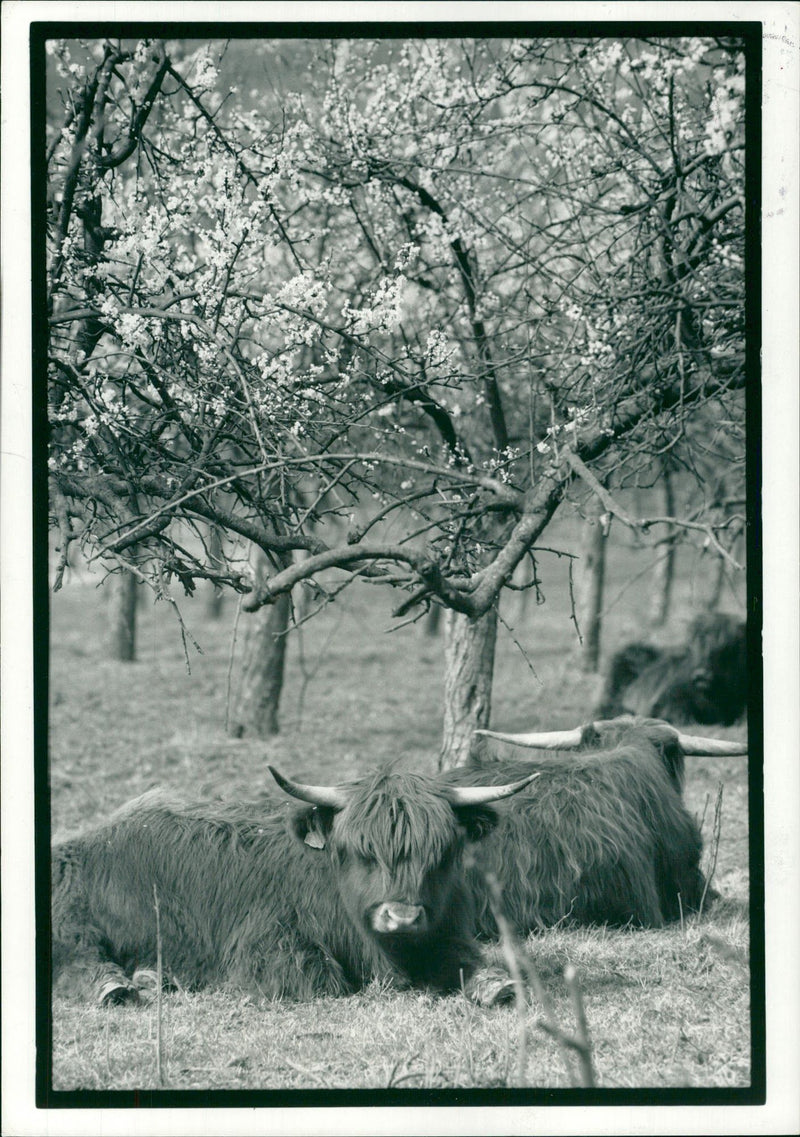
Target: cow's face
point(397, 850)
point(717, 647)
point(396, 842)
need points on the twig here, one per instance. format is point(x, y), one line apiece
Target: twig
point(703, 815)
point(404, 624)
point(162, 593)
point(230, 665)
point(547, 1021)
point(566, 1041)
point(611, 505)
point(507, 943)
point(159, 986)
point(395, 1081)
point(307, 673)
point(698, 526)
point(715, 839)
point(641, 525)
point(518, 645)
point(581, 1043)
point(573, 611)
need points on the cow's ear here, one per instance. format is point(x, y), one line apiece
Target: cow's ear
point(476, 820)
point(312, 826)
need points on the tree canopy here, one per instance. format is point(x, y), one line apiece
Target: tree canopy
point(385, 305)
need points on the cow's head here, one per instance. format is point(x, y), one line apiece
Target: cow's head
point(717, 647)
point(611, 735)
point(607, 733)
point(396, 840)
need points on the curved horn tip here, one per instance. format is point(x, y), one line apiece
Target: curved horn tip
point(279, 778)
point(485, 795)
point(284, 783)
point(699, 746)
point(523, 782)
point(330, 797)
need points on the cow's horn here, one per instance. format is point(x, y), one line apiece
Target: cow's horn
point(545, 740)
point(332, 797)
point(482, 795)
point(699, 747)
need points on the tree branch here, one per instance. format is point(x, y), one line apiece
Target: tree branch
point(339, 557)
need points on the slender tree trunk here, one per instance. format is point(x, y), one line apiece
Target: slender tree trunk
point(715, 585)
point(593, 566)
point(524, 578)
point(664, 575)
point(433, 620)
point(122, 597)
point(215, 551)
point(302, 596)
point(261, 684)
point(469, 667)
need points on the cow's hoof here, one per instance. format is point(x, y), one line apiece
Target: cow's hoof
point(114, 993)
point(490, 987)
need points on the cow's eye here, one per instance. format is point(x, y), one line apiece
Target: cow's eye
point(356, 858)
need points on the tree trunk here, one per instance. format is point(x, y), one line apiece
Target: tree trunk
point(593, 565)
point(524, 579)
point(717, 584)
point(469, 666)
point(215, 552)
point(302, 596)
point(664, 575)
point(261, 682)
point(433, 620)
point(122, 597)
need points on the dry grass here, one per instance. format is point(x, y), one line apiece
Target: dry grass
point(665, 1008)
point(654, 1002)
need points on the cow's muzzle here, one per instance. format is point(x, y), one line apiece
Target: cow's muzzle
point(392, 918)
point(701, 679)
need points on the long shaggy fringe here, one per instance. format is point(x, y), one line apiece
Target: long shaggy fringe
point(398, 818)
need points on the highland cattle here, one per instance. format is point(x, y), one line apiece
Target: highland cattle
point(602, 836)
point(363, 881)
point(704, 680)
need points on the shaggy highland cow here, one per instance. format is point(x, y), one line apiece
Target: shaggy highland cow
point(368, 879)
point(365, 881)
point(602, 836)
point(703, 681)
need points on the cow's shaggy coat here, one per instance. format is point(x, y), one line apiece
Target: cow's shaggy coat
point(281, 899)
point(602, 836)
point(370, 883)
point(704, 680)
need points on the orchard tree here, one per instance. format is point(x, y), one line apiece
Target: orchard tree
point(379, 313)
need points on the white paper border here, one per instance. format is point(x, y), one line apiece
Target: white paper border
point(781, 500)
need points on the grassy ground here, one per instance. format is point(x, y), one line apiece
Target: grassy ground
point(665, 1008)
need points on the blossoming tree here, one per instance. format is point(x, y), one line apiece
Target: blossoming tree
point(379, 315)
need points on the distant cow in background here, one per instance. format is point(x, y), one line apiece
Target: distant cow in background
point(602, 835)
point(702, 681)
point(365, 880)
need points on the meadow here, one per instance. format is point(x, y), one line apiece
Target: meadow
point(665, 1008)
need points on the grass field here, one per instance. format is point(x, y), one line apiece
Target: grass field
point(666, 1007)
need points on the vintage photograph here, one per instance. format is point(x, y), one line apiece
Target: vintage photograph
point(404, 676)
